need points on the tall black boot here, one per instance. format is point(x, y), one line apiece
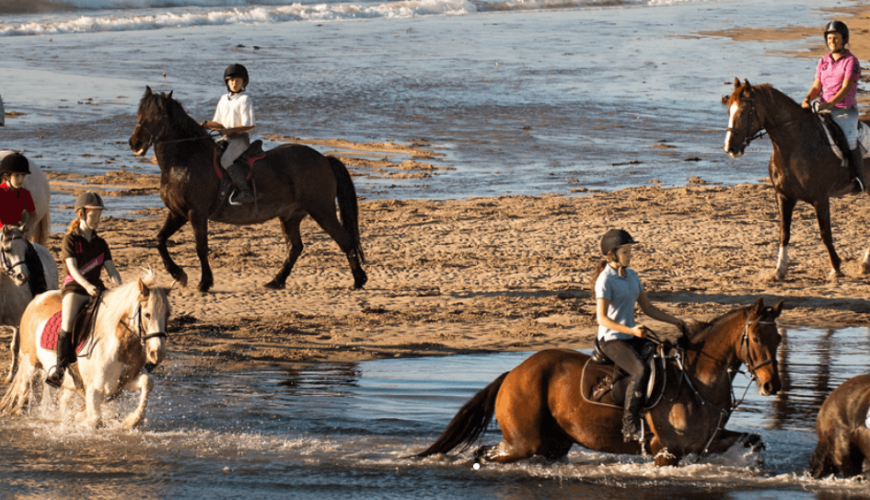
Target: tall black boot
point(631, 417)
point(238, 172)
point(856, 160)
point(64, 348)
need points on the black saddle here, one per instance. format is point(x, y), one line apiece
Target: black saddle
point(837, 133)
point(604, 382)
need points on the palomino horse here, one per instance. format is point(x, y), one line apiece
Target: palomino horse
point(28, 270)
point(541, 411)
point(292, 181)
point(844, 439)
point(39, 226)
point(802, 167)
point(129, 334)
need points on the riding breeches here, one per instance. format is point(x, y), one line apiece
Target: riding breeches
point(72, 304)
point(847, 119)
point(236, 145)
point(625, 354)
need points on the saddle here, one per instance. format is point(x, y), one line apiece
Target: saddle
point(604, 383)
point(253, 154)
point(837, 139)
point(82, 327)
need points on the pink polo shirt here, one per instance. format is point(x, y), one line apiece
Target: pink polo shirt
point(832, 73)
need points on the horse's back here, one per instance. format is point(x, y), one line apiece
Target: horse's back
point(847, 405)
point(531, 383)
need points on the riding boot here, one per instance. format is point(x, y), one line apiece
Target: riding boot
point(64, 348)
point(238, 172)
point(856, 160)
point(631, 417)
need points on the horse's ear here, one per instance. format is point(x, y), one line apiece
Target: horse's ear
point(170, 94)
point(777, 309)
point(746, 82)
point(143, 290)
point(757, 307)
point(148, 91)
point(736, 82)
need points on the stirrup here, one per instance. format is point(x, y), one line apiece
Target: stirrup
point(858, 187)
point(55, 380)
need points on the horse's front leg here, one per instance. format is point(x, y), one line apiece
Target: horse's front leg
point(144, 384)
point(13, 348)
point(173, 223)
point(823, 214)
point(725, 439)
point(94, 406)
point(293, 238)
point(661, 455)
point(200, 233)
point(786, 209)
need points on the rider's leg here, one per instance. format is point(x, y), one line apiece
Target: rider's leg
point(72, 304)
point(238, 172)
point(622, 353)
point(847, 119)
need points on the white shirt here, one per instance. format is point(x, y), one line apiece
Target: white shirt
point(235, 110)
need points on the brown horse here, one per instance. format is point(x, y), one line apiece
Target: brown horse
point(540, 409)
point(802, 167)
point(292, 181)
point(844, 439)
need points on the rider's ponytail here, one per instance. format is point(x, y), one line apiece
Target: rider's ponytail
point(75, 223)
point(611, 257)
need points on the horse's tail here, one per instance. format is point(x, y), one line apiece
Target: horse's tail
point(43, 230)
point(347, 205)
point(471, 420)
point(18, 395)
point(821, 464)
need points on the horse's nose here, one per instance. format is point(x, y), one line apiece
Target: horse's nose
point(769, 389)
point(149, 367)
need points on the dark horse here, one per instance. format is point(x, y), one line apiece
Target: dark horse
point(844, 439)
point(802, 167)
point(540, 409)
point(292, 181)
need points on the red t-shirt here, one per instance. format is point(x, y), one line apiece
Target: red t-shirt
point(12, 202)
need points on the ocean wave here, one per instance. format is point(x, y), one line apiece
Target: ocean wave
point(208, 12)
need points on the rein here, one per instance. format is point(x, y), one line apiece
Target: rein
point(140, 327)
point(763, 131)
point(154, 140)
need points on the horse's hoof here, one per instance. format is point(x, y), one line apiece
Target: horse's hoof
point(359, 283)
point(205, 286)
point(131, 422)
point(835, 274)
point(275, 285)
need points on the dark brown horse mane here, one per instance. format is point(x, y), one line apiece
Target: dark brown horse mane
point(155, 105)
point(703, 329)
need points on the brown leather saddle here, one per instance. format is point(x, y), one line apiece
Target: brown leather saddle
point(604, 383)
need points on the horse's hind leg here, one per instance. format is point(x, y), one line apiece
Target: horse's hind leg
point(13, 349)
point(144, 384)
point(786, 209)
point(823, 214)
point(860, 449)
point(292, 236)
point(199, 222)
point(324, 214)
point(172, 224)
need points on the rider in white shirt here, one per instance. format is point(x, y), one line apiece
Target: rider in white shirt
point(234, 119)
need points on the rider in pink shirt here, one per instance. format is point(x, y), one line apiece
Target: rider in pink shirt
point(836, 84)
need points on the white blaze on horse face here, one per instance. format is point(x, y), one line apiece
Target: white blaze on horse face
point(732, 112)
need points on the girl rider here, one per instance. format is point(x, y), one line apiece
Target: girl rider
point(16, 203)
point(617, 290)
point(836, 80)
point(85, 254)
point(234, 118)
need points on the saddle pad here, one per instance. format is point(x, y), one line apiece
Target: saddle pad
point(844, 162)
point(48, 340)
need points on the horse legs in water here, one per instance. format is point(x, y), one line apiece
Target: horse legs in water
point(786, 209)
point(171, 226)
point(13, 348)
point(144, 384)
point(823, 214)
point(292, 236)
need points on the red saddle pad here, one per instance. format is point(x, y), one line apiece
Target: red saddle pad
point(49, 333)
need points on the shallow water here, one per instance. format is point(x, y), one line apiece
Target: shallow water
point(342, 429)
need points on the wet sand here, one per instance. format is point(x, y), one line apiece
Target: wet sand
point(489, 274)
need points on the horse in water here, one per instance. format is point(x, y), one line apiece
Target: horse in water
point(28, 270)
point(38, 227)
point(802, 167)
point(844, 439)
point(541, 410)
point(292, 181)
point(128, 334)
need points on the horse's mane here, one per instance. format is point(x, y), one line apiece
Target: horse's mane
point(117, 301)
point(153, 104)
point(36, 281)
point(705, 328)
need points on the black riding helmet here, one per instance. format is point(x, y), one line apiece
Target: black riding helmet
point(838, 27)
point(89, 199)
point(614, 239)
point(236, 71)
point(15, 164)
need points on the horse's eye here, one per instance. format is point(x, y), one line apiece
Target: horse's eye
point(147, 315)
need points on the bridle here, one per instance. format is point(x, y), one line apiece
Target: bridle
point(5, 261)
point(154, 140)
point(140, 327)
point(744, 346)
point(762, 131)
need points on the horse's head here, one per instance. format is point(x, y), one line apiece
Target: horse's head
point(758, 346)
point(153, 316)
point(154, 120)
point(13, 251)
point(743, 118)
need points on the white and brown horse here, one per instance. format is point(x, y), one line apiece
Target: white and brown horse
point(38, 227)
point(129, 334)
point(28, 269)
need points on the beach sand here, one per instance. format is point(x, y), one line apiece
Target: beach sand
point(490, 274)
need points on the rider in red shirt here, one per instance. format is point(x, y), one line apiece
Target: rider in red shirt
point(16, 204)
